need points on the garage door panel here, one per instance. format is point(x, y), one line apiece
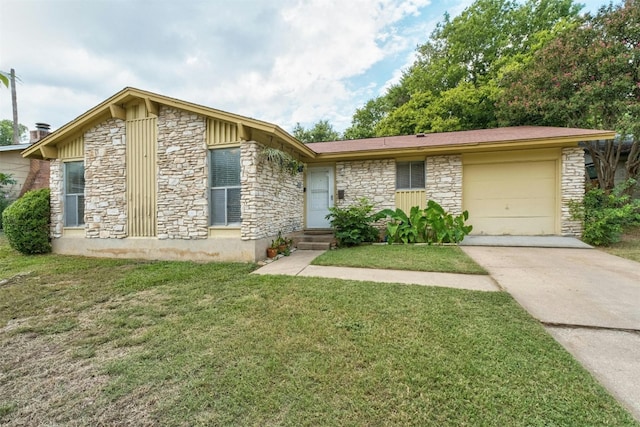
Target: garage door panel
point(511, 197)
point(510, 188)
point(530, 207)
point(512, 226)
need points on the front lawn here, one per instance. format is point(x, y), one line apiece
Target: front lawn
point(112, 342)
point(443, 259)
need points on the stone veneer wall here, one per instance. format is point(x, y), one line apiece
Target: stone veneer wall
point(105, 181)
point(56, 185)
point(444, 182)
point(573, 186)
point(272, 202)
point(373, 179)
point(182, 211)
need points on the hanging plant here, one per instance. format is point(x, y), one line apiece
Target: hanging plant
point(283, 162)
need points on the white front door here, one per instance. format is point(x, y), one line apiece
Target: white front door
point(319, 196)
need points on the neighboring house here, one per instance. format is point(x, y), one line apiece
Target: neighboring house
point(29, 174)
point(12, 163)
point(145, 175)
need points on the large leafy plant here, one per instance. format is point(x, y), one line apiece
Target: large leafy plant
point(430, 225)
point(353, 224)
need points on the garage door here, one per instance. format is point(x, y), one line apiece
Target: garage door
point(512, 197)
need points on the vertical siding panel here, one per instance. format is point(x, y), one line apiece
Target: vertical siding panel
point(141, 173)
point(406, 199)
point(219, 132)
point(72, 150)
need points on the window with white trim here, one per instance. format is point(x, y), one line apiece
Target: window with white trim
point(410, 176)
point(224, 181)
point(73, 194)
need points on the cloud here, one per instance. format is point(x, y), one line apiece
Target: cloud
point(285, 62)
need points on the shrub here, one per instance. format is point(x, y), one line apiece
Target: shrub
point(26, 223)
point(430, 225)
point(353, 225)
point(606, 215)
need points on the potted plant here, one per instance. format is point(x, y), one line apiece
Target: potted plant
point(281, 243)
point(272, 250)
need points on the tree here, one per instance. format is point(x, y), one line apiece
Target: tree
point(6, 132)
point(365, 119)
point(321, 131)
point(4, 78)
point(587, 77)
point(453, 83)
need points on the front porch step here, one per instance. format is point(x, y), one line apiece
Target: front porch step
point(318, 231)
point(314, 239)
point(314, 246)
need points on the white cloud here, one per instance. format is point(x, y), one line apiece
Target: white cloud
point(285, 62)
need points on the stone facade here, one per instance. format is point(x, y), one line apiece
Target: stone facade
point(105, 180)
point(272, 201)
point(573, 181)
point(444, 182)
point(373, 179)
point(182, 210)
point(56, 184)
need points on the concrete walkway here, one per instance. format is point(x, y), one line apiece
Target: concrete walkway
point(589, 301)
point(297, 264)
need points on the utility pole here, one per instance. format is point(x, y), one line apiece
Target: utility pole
point(14, 102)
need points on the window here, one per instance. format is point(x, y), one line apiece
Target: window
point(224, 173)
point(409, 175)
point(73, 194)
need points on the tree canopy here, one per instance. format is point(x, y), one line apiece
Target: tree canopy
point(586, 77)
point(321, 131)
point(453, 84)
point(6, 132)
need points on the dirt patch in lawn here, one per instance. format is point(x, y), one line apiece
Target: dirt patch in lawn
point(51, 379)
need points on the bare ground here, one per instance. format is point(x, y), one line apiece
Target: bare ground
point(46, 381)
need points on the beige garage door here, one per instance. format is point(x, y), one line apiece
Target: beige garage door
point(514, 197)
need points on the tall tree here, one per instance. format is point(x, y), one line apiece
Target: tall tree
point(363, 123)
point(453, 83)
point(586, 77)
point(6, 132)
point(321, 131)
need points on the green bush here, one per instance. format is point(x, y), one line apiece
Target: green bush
point(353, 225)
point(430, 225)
point(26, 223)
point(606, 215)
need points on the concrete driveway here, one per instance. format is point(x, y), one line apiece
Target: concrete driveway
point(588, 300)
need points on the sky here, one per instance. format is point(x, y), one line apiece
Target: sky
point(281, 61)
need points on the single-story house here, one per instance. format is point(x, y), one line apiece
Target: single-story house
point(144, 175)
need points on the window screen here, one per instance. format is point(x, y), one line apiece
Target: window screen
point(409, 175)
point(73, 194)
point(224, 201)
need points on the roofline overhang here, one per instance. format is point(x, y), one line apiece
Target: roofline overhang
point(112, 107)
point(566, 141)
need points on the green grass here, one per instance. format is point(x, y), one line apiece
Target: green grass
point(628, 246)
point(170, 343)
point(444, 259)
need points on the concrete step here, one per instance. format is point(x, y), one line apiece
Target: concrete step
point(316, 238)
point(317, 231)
point(313, 246)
